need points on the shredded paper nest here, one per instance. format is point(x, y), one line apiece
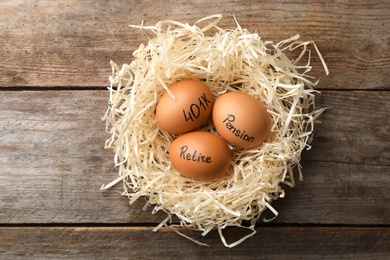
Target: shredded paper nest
point(225, 60)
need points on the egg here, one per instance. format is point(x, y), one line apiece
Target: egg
point(241, 120)
point(200, 155)
point(189, 109)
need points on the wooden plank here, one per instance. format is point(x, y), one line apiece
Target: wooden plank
point(70, 43)
point(354, 129)
point(340, 193)
point(52, 162)
point(142, 243)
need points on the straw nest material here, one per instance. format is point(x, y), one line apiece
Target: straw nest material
point(225, 60)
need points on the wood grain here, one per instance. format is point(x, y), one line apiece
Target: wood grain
point(142, 243)
point(54, 67)
point(70, 43)
point(52, 162)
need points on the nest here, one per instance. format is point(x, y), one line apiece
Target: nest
point(225, 60)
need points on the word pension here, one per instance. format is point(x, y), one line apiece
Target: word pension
point(237, 132)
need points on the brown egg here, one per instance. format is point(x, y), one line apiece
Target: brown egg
point(190, 108)
point(241, 120)
point(201, 156)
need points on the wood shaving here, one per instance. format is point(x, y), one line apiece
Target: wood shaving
point(225, 60)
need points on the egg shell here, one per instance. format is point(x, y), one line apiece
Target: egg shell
point(241, 120)
point(200, 155)
point(189, 109)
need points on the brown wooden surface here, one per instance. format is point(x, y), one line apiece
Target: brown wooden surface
point(54, 66)
point(142, 243)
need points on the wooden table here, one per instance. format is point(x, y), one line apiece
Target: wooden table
point(54, 70)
